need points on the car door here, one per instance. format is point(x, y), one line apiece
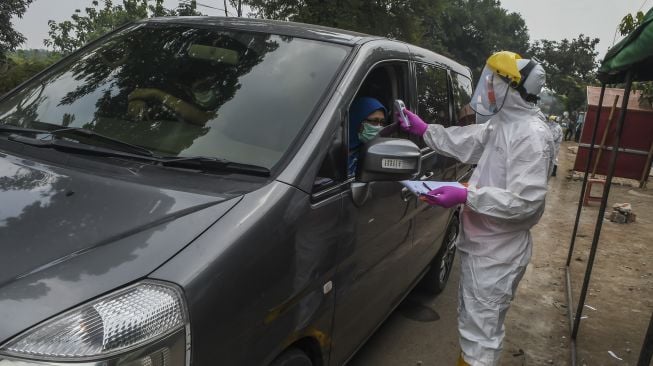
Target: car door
point(370, 280)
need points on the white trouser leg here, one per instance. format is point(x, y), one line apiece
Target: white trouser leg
point(486, 289)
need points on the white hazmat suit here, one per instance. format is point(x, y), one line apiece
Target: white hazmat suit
point(556, 133)
point(514, 151)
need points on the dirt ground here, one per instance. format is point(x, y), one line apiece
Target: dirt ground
point(619, 303)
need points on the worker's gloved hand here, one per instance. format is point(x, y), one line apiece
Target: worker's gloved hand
point(446, 196)
point(417, 126)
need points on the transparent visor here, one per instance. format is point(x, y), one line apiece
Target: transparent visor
point(490, 94)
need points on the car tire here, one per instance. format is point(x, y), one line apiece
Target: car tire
point(437, 276)
point(292, 357)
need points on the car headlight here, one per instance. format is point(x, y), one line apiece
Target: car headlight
point(142, 325)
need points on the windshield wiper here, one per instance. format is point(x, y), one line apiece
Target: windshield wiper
point(73, 145)
point(111, 142)
point(18, 129)
point(211, 163)
point(57, 140)
point(47, 138)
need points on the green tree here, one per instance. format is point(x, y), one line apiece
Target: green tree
point(388, 18)
point(570, 66)
point(627, 25)
point(22, 64)
point(630, 22)
point(466, 30)
point(9, 37)
point(471, 30)
point(98, 19)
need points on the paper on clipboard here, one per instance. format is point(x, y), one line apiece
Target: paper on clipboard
point(419, 187)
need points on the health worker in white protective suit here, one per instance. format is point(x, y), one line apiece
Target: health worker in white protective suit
point(556, 133)
point(505, 198)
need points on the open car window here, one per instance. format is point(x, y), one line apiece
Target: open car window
point(462, 95)
point(432, 94)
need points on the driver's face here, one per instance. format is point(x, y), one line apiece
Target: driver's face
point(376, 118)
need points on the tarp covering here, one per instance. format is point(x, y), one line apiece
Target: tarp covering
point(635, 52)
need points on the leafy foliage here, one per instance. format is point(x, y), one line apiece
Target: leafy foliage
point(69, 35)
point(627, 25)
point(630, 22)
point(570, 67)
point(9, 37)
point(22, 64)
point(467, 30)
point(391, 18)
point(471, 30)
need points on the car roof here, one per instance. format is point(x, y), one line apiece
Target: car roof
point(425, 55)
point(293, 29)
point(309, 31)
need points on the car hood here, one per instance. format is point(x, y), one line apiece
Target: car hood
point(69, 235)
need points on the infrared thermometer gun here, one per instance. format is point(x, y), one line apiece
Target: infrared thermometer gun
point(399, 108)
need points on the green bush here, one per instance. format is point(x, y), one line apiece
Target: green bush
point(23, 64)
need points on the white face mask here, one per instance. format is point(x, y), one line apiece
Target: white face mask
point(369, 132)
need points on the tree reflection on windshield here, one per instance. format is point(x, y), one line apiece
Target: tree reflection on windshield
point(164, 86)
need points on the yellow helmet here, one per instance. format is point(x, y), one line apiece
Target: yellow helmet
point(504, 63)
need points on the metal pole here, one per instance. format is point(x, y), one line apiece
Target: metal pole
point(584, 186)
point(570, 315)
point(647, 168)
point(604, 202)
point(647, 348)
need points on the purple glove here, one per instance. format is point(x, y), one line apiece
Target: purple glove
point(446, 196)
point(417, 126)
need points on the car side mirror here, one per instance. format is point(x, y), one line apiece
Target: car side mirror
point(389, 159)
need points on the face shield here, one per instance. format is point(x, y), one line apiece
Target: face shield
point(490, 94)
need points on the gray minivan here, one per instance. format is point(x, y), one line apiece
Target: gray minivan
point(177, 193)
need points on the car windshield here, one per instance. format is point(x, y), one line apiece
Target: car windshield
point(178, 90)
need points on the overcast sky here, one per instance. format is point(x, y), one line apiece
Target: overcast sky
point(546, 19)
point(558, 19)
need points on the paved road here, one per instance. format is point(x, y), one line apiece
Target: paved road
point(422, 331)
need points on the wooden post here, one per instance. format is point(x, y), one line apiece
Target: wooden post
point(605, 135)
point(647, 168)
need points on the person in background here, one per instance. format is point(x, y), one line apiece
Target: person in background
point(505, 197)
point(579, 126)
point(367, 117)
point(571, 126)
point(556, 132)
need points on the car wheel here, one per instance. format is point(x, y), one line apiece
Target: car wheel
point(292, 357)
point(436, 278)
